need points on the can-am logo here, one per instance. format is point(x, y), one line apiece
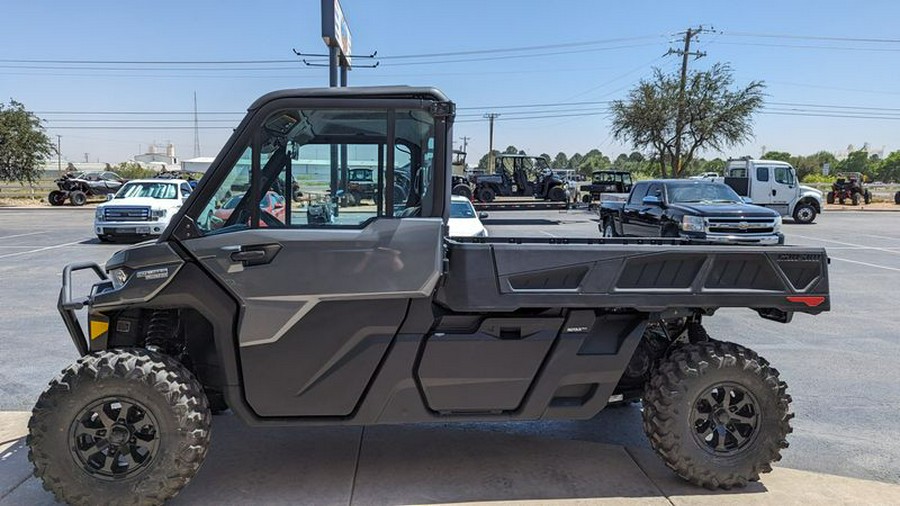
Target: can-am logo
point(799, 257)
point(161, 273)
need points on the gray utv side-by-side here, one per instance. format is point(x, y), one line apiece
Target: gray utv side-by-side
point(313, 313)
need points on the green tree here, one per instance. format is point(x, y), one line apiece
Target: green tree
point(575, 161)
point(857, 161)
point(889, 168)
point(483, 162)
point(812, 164)
point(783, 156)
point(24, 145)
point(547, 157)
point(132, 170)
point(716, 115)
point(511, 150)
point(561, 161)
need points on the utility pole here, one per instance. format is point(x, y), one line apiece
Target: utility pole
point(58, 154)
point(491, 116)
point(679, 120)
point(465, 140)
point(196, 129)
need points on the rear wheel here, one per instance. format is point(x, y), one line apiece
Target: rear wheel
point(854, 199)
point(486, 194)
point(804, 213)
point(586, 198)
point(77, 198)
point(557, 194)
point(867, 197)
point(717, 414)
point(897, 198)
point(56, 198)
point(829, 198)
point(119, 427)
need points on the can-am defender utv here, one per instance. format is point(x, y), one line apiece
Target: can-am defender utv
point(377, 317)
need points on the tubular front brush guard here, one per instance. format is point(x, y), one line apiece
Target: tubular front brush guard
point(67, 305)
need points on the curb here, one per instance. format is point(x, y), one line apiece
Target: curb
point(860, 210)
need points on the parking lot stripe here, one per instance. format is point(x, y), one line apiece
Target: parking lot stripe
point(41, 249)
point(21, 235)
point(886, 250)
point(867, 264)
point(881, 237)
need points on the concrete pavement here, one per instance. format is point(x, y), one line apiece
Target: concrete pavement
point(438, 464)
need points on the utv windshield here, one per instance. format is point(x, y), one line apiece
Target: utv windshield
point(701, 193)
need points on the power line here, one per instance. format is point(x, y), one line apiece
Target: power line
point(810, 37)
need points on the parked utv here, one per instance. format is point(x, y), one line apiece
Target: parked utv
point(849, 186)
point(606, 181)
point(520, 176)
point(378, 317)
point(78, 186)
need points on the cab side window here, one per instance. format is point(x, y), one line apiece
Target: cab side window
point(313, 168)
point(638, 194)
point(784, 175)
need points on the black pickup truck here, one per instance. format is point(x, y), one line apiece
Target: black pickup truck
point(690, 209)
point(378, 317)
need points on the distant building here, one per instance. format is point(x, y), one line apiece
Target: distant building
point(844, 153)
point(199, 164)
point(155, 155)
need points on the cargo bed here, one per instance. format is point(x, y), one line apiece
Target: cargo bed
point(500, 274)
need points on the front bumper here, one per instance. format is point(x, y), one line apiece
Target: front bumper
point(756, 240)
point(129, 228)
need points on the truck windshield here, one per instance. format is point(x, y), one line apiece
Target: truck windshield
point(461, 210)
point(706, 193)
point(148, 190)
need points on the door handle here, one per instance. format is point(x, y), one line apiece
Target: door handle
point(774, 192)
point(257, 254)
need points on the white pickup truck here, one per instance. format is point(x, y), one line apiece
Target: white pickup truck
point(141, 208)
point(773, 184)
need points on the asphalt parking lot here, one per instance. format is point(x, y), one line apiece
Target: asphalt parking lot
point(841, 367)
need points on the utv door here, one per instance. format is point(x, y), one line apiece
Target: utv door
point(323, 289)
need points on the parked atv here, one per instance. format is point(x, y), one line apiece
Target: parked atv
point(849, 186)
point(77, 187)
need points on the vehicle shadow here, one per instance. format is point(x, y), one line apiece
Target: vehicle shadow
point(519, 221)
point(433, 463)
point(412, 464)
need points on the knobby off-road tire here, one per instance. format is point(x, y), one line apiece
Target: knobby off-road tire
point(705, 391)
point(57, 198)
point(119, 427)
point(557, 194)
point(78, 198)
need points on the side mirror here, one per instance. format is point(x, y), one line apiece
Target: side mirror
point(482, 215)
point(110, 196)
point(747, 200)
point(652, 200)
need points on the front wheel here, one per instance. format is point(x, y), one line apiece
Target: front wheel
point(486, 194)
point(119, 426)
point(717, 414)
point(78, 198)
point(804, 213)
point(609, 228)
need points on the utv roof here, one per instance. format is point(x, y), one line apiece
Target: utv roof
point(361, 92)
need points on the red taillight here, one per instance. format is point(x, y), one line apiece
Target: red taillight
point(809, 301)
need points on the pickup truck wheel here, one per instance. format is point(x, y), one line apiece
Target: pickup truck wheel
point(77, 198)
point(56, 198)
point(609, 228)
point(717, 414)
point(804, 213)
point(119, 427)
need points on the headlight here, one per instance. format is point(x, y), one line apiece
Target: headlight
point(118, 277)
point(158, 213)
point(777, 227)
point(98, 214)
point(481, 233)
point(693, 224)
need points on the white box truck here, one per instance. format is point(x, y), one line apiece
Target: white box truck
point(773, 184)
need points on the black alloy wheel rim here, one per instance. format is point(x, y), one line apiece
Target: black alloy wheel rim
point(725, 418)
point(114, 438)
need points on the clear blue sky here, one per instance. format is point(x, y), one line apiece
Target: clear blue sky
point(822, 72)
